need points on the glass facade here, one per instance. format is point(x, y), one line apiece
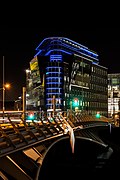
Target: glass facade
point(61, 72)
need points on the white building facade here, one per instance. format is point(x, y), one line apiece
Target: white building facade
point(114, 95)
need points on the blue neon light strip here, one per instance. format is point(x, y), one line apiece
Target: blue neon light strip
point(90, 52)
point(53, 72)
point(89, 56)
point(54, 78)
point(49, 104)
point(57, 60)
point(53, 93)
point(46, 39)
point(94, 63)
point(52, 67)
point(69, 40)
point(52, 98)
point(66, 42)
point(54, 83)
point(70, 45)
point(78, 50)
point(59, 39)
point(81, 47)
point(58, 50)
point(56, 57)
point(54, 88)
point(38, 53)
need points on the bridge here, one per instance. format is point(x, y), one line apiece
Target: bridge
point(23, 145)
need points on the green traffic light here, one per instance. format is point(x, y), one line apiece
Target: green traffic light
point(75, 102)
point(98, 115)
point(31, 116)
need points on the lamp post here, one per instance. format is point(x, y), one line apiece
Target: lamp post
point(3, 107)
point(4, 86)
point(3, 89)
point(24, 103)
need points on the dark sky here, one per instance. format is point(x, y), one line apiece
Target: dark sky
point(17, 45)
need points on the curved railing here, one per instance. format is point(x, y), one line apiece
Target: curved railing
point(19, 140)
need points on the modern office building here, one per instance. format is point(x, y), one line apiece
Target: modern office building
point(65, 75)
point(113, 95)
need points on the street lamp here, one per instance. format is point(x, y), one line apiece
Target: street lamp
point(5, 86)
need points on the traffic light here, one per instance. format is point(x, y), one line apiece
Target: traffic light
point(30, 116)
point(98, 115)
point(75, 102)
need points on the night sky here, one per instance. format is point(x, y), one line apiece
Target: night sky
point(18, 48)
